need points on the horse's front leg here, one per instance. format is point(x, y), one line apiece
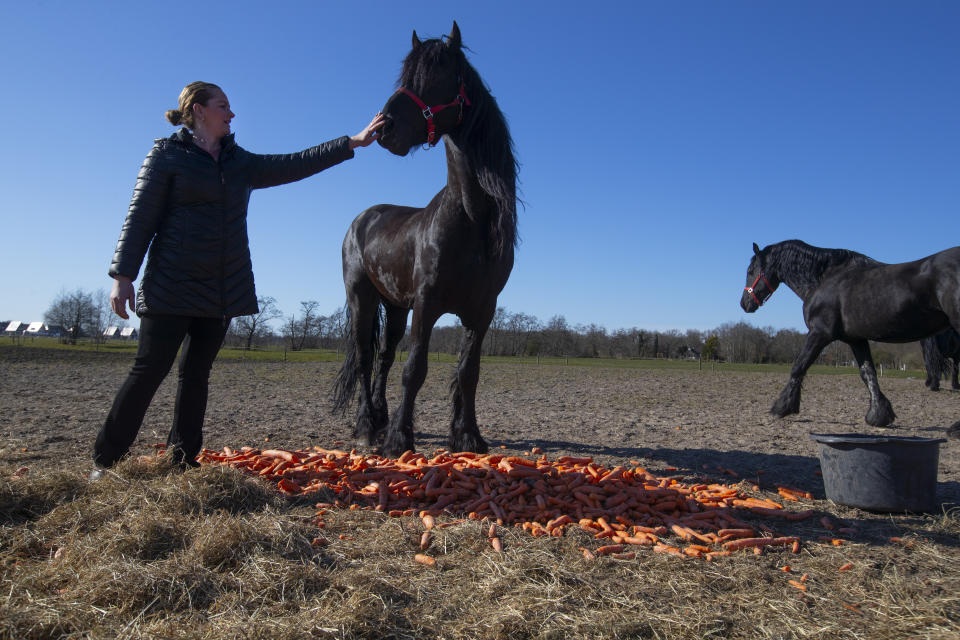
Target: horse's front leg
point(789, 400)
point(881, 412)
point(399, 437)
point(464, 432)
point(954, 373)
point(396, 325)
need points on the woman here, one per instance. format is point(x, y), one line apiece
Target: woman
point(189, 206)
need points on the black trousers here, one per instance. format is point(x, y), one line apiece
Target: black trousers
point(160, 339)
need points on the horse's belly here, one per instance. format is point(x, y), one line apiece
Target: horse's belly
point(904, 326)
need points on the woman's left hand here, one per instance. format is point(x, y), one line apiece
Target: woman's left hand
point(369, 133)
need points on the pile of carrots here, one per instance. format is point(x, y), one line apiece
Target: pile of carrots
point(621, 507)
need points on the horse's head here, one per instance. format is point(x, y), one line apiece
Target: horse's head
point(431, 97)
point(760, 282)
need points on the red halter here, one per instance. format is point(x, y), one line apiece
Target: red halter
point(751, 288)
point(429, 112)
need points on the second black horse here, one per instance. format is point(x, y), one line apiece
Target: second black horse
point(853, 298)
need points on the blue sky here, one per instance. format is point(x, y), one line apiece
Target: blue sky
point(657, 140)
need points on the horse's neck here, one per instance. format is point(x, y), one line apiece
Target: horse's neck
point(462, 181)
point(801, 279)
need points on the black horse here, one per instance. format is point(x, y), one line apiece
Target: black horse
point(850, 297)
point(452, 256)
point(937, 350)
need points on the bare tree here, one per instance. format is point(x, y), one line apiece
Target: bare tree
point(557, 336)
point(103, 316)
point(75, 311)
point(257, 325)
point(338, 328)
point(298, 330)
point(494, 336)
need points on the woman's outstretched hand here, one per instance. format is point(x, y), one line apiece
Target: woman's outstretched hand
point(121, 295)
point(369, 133)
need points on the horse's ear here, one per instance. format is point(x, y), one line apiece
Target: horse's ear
point(756, 249)
point(454, 38)
point(416, 40)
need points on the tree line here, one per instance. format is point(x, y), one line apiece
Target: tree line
point(86, 314)
point(521, 334)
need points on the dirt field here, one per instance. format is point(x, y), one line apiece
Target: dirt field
point(52, 403)
point(214, 553)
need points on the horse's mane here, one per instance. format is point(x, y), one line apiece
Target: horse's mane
point(803, 264)
point(488, 145)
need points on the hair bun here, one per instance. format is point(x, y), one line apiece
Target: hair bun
point(174, 116)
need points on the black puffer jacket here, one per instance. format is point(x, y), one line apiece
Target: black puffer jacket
point(194, 210)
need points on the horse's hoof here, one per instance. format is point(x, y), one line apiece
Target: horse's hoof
point(783, 411)
point(881, 418)
point(363, 439)
point(468, 442)
point(395, 446)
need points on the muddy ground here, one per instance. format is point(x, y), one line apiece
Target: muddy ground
point(52, 403)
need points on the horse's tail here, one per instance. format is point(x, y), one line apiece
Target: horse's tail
point(345, 386)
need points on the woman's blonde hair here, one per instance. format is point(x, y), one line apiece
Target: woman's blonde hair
point(194, 93)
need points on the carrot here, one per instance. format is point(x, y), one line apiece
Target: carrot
point(587, 554)
point(744, 543)
point(425, 539)
point(665, 548)
point(799, 493)
point(609, 548)
point(798, 585)
point(845, 567)
point(289, 486)
point(496, 543)
point(423, 558)
point(279, 453)
point(428, 521)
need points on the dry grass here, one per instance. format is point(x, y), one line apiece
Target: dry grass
point(211, 553)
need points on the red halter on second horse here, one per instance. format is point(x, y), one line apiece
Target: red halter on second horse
point(751, 288)
point(429, 112)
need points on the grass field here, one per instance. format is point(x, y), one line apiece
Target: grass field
point(281, 354)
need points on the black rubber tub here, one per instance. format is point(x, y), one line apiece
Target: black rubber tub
point(880, 473)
